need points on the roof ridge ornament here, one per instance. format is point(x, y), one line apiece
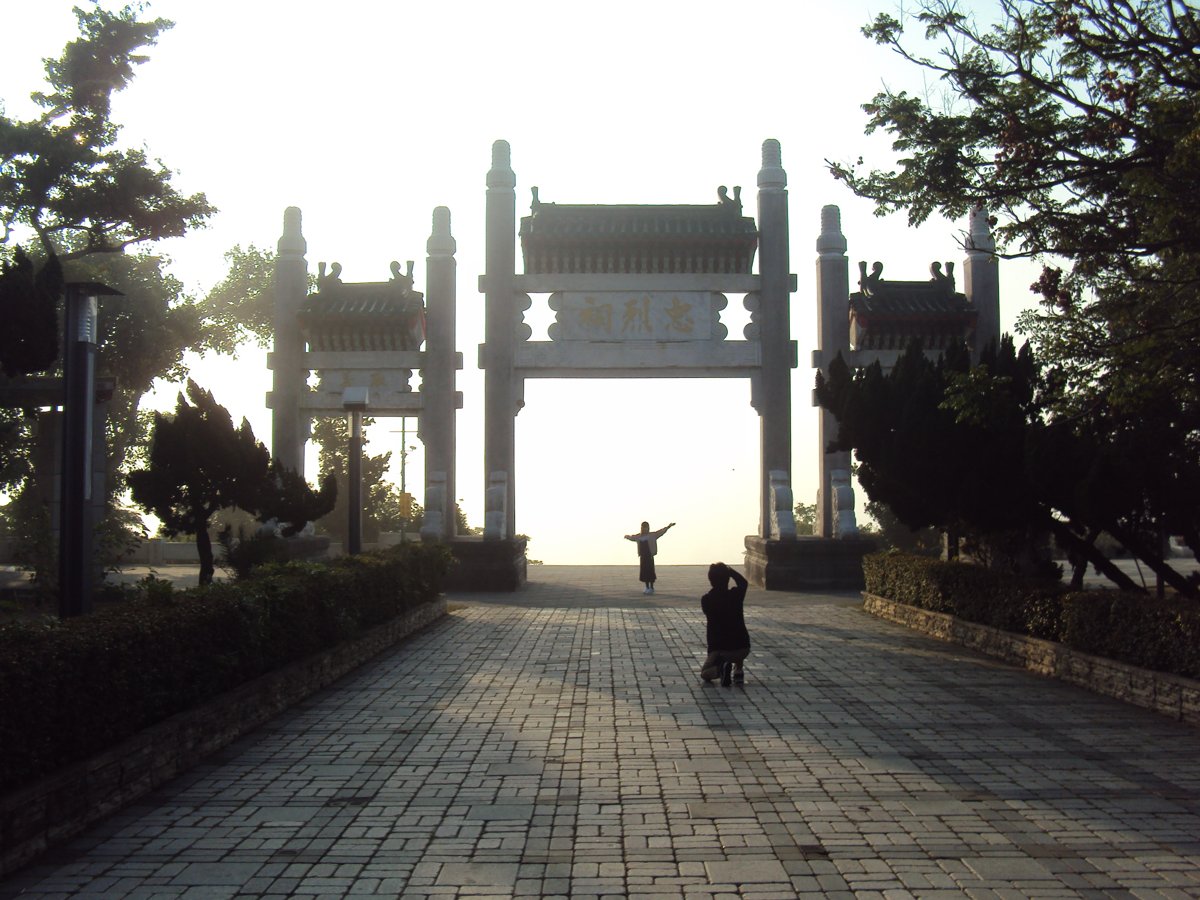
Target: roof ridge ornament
point(732, 204)
point(945, 279)
point(404, 281)
point(869, 284)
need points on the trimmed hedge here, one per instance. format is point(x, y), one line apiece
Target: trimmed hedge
point(1133, 628)
point(69, 689)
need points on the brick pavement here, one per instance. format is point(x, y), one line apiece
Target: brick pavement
point(557, 742)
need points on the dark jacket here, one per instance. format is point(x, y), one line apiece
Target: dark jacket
point(726, 622)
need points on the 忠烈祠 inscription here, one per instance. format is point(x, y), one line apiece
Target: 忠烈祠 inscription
point(634, 315)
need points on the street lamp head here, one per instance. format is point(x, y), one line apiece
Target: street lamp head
point(355, 398)
point(82, 302)
point(92, 289)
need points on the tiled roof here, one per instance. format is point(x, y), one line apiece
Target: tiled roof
point(638, 238)
point(889, 314)
point(363, 316)
point(909, 298)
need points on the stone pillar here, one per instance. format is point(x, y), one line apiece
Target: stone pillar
point(774, 401)
point(498, 352)
point(289, 429)
point(438, 376)
point(981, 280)
point(833, 334)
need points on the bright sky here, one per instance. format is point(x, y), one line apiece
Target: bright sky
point(367, 115)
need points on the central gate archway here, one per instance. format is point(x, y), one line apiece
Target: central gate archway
point(637, 292)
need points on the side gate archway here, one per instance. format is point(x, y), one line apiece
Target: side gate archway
point(637, 291)
point(365, 340)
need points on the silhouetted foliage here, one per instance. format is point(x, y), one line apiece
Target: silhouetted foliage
point(383, 506)
point(28, 300)
point(199, 464)
point(63, 175)
point(1074, 122)
point(972, 451)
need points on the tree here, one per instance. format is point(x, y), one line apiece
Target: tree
point(806, 518)
point(381, 499)
point(926, 541)
point(929, 465)
point(287, 499)
point(144, 335)
point(199, 464)
point(240, 307)
point(73, 195)
point(969, 450)
point(1077, 122)
point(62, 175)
point(28, 300)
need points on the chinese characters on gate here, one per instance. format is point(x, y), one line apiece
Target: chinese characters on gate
point(633, 316)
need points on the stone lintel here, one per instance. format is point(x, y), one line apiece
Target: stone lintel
point(583, 359)
point(548, 284)
point(396, 405)
point(376, 360)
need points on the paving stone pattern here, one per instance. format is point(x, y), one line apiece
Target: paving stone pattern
point(558, 742)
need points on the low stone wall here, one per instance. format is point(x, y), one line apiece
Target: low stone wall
point(60, 806)
point(1170, 695)
point(807, 563)
point(485, 566)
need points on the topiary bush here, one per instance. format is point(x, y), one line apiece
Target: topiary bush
point(71, 688)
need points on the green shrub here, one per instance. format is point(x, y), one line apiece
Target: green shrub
point(1163, 635)
point(243, 552)
point(1138, 629)
point(70, 689)
point(968, 591)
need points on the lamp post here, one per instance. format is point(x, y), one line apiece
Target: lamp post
point(354, 401)
point(79, 388)
point(404, 448)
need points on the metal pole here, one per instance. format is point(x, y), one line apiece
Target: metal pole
point(75, 534)
point(404, 478)
point(354, 538)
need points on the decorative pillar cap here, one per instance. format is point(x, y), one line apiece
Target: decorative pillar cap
point(980, 242)
point(831, 241)
point(292, 242)
point(771, 176)
point(440, 242)
point(501, 174)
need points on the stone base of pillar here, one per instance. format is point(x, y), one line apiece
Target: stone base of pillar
point(807, 563)
point(487, 565)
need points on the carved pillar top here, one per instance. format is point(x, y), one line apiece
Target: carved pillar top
point(441, 242)
point(771, 176)
point(831, 241)
point(291, 242)
point(501, 175)
point(980, 242)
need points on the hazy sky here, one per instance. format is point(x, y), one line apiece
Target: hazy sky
point(367, 115)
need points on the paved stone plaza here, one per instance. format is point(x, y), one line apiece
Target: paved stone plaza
point(558, 742)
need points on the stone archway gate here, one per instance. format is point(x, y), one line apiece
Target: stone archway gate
point(365, 340)
point(637, 291)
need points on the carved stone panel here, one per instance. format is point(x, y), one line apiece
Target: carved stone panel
point(608, 316)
